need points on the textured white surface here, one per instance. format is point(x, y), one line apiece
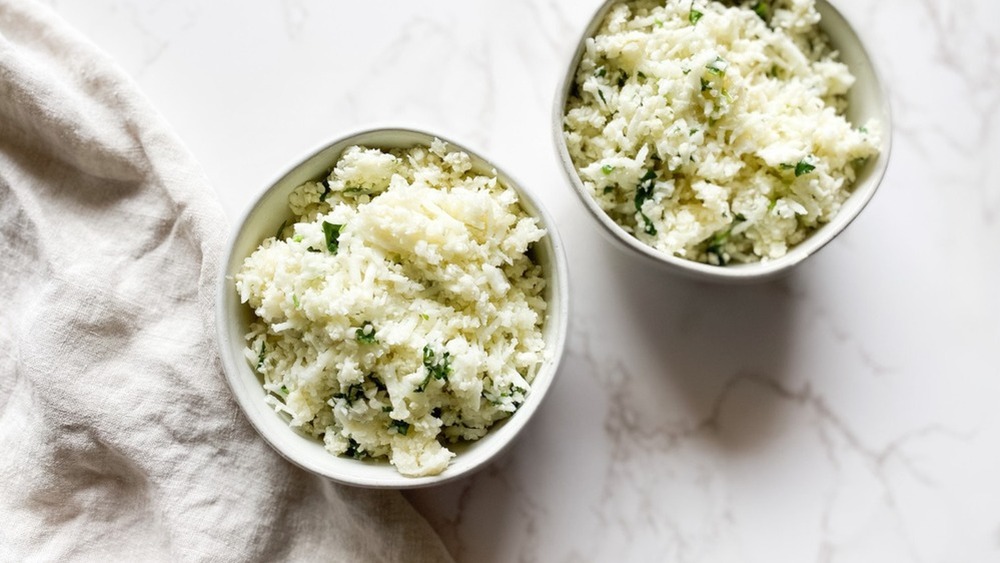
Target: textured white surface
point(120, 441)
point(847, 413)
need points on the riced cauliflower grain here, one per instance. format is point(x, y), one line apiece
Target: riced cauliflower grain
point(402, 310)
point(715, 131)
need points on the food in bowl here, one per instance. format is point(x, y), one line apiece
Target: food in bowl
point(402, 309)
point(715, 131)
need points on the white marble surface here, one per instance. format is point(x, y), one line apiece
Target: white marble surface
point(848, 413)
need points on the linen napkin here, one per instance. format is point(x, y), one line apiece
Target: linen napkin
point(118, 437)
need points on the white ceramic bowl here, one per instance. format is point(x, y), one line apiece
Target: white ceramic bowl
point(866, 99)
point(233, 318)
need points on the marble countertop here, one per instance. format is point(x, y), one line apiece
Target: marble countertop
point(850, 412)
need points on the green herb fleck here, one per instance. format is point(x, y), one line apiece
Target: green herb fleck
point(387, 408)
point(740, 218)
point(261, 356)
point(600, 94)
point(863, 129)
point(607, 169)
point(284, 390)
point(366, 333)
point(601, 72)
point(354, 393)
point(298, 238)
point(295, 301)
point(608, 190)
point(621, 79)
point(641, 75)
point(332, 233)
point(715, 247)
point(354, 449)
point(425, 316)
point(762, 10)
point(718, 66)
point(694, 15)
point(803, 167)
point(326, 190)
point(401, 426)
point(705, 85)
point(643, 192)
point(658, 22)
point(437, 368)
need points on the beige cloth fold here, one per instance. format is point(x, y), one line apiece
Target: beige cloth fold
point(118, 437)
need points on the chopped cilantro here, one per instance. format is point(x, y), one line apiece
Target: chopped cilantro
point(694, 15)
point(260, 358)
point(401, 426)
point(622, 78)
point(600, 93)
point(718, 66)
point(601, 72)
point(425, 316)
point(437, 368)
point(297, 238)
point(643, 192)
point(332, 233)
point(284, 390)
point(762, 10)
point(326, 190)
point(705, 85)
point(740, 218)
point(354, 449)
point(354, 393)
point(715, 247)
point(366, 333)
point(800, 168)
point(863, 129)
point(641, 75)
point(295, 301)
point(607, 169)
point(803, 167)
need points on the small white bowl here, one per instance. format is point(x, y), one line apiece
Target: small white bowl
point(867, 99)
point(233, 318)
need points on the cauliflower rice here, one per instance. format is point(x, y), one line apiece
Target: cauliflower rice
point(715, 132)
point(401, 310)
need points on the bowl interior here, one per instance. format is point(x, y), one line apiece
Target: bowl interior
point(866, 100)
point(264, 218)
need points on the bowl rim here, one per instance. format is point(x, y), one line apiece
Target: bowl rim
point(734, 273)
point(237, 374)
